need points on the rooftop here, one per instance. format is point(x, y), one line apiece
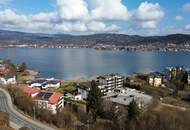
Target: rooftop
point(51, 97)
point(55, 97)
point(126, 97)
point(109, 75)
point(44, 95)
point(4, 70)
point(53, 81)
point(85, 86)
point(8, 76)
point(156, 74)
point(44, 81)
point(41, 81)
point(29, 90)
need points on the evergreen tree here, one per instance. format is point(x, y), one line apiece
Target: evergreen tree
point(94, 101)
point(133, 110)
point(22, 67)
point(178, 80)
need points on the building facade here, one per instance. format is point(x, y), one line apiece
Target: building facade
point(52, 101)
point(155, 79)
point(8, 79)
point(107, 83)
point(83, 90)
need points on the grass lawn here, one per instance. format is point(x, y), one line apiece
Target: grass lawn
point(26, 75)
point(68, 87)
point(156, 92)
point(176, 102)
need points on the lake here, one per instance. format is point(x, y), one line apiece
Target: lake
point(76, 63)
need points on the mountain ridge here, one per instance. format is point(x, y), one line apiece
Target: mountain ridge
point(15, 37)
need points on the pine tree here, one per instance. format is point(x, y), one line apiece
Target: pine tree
point(94, 101)
point(133, 110)
point(22, 67)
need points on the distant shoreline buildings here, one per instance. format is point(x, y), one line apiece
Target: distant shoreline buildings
point(149, 47)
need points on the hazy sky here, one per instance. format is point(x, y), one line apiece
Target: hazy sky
point(153, 17)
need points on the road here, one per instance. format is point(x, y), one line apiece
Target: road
point(176, 107)
point(16, 117)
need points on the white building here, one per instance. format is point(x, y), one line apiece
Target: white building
point(125, 96)
point(51, 84)
point(107, 83)
point(151, 80)
point(36, 83)
point(8, 79)
point(84, 90)
point(155, 80)
point(75, 97)
point(45, 83)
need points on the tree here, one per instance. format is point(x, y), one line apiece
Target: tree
point(94, 101)
point(133, 110)
point(22, 67)
point(11, 67)
point(178, 80)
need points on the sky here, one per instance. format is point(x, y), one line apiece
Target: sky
point(78, 17)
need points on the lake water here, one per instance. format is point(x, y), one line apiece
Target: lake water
point(77, 63)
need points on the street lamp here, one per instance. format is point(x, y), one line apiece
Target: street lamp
point(34, 110)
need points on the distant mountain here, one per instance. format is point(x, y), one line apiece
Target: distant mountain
point(17, 38)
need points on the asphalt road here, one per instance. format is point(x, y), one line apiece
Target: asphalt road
point(16, 117)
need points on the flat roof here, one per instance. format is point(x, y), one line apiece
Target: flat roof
point(110, 75)
point(128, 96)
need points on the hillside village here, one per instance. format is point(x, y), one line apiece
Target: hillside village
point(169, 88)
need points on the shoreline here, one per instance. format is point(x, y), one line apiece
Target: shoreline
point(35, 74)
point(117, 50)
point(79, 80)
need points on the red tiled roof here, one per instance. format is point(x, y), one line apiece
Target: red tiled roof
point(55, 98)
point(29, 90)
point(4, 70)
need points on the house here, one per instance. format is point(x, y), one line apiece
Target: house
point(4, 70)
point(53, 101)
point(36, 83)
point(2, 66)
point(84, 89)
point(107, 83)
point(8, 79)
point(51, 84)
point(75, 97)
point(45, 83)
point(151, 80)
point(30, 91)
point(155, 79)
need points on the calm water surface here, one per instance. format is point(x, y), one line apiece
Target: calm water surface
point(77, 63)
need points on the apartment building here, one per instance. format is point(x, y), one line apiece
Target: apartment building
point(155, 79)
point(107, 83)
